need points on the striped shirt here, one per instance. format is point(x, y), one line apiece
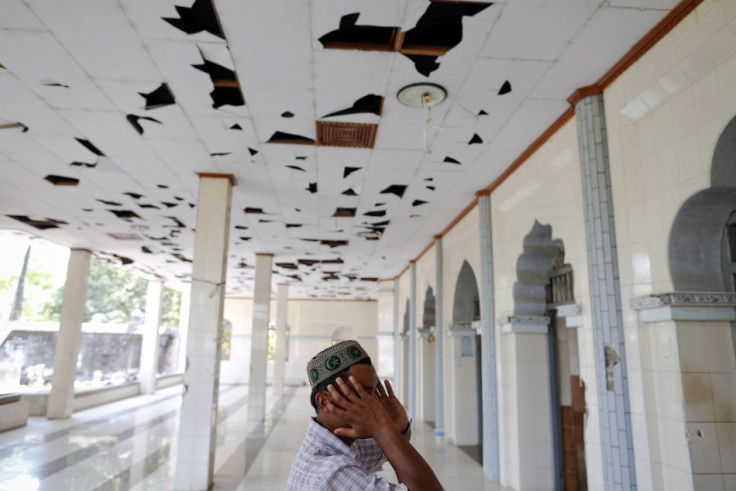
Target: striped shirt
point(324, 462)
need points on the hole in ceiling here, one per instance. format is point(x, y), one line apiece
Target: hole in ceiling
point(134, 195)
point(124, 236)
point(88, 209)
point(352, 36)
point(330, 276)
point(309, 240)
point(431, 188)
point(353, 135)
point(253, 210)
point(61, 180)
point(177, 223)
point(301, 157)
point(475, 139)
point(182, 258)
point(307, 262)
point(418, 202)
point(84, 164)
point(296, 167)
point(312, 187)
point(227, 88)
point(46, 224)
point(379, 204)
point(178, 198)
point(146, 250)
point(293, 225)
point(287, 115)
point(245, 238)
point(163, 186)
point(505, 88)
point(124, 213)
point(349, 170)
point(201, 16)
point(287, 265)
point(148, 205)
point(397, 189)
point(252, 151)
point(350, 192)
point(236, 126)
point(7, 126)
point(169, 205)
point(369, 278)
point(109, 203)
point(370, 103)
point(482, 113)
point(375, 213)
point(220, 154)
point(88, 145)
point(263, 220)
point(437, 31)
point(241, 227)
point(450, 160)
point(281, 137)
point(333, 243)
point(53, 83)
point(344, 212)
point(160, 97)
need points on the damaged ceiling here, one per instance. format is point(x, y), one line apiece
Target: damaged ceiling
point(109, 109)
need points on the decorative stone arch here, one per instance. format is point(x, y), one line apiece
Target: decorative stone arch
point(532, 270)
point(696, 238)
point(466, 302)
point(429, 309)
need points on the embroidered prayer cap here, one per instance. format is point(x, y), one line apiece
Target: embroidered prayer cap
point(333, 360)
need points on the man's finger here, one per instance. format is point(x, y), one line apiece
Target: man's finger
point(359, 390)
point(336, 395)
point(389, 389)
point(345, 389)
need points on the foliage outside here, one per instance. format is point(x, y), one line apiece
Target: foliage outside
point(112, 295)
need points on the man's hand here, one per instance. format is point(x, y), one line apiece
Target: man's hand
point(364, 412)
point(393, 406)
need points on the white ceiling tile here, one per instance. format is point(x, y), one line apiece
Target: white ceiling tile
point(99, 37)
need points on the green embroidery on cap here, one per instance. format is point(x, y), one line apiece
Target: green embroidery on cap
point(314, 374)
point(333, 363)
point(354, 352)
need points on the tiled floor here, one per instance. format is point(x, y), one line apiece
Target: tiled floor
point(131, 444)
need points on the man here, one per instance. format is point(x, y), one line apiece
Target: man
point(359, 425)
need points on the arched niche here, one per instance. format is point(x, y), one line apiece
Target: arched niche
point(696, 243)
point(533, 270)
point(429, 308)
point(466, 302)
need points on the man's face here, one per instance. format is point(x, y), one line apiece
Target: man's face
point(367, 378)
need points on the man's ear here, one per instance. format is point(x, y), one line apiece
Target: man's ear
point(321, 399)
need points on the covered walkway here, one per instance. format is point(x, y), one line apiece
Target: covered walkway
point(132, 444)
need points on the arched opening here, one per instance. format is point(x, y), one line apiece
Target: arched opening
point(466, 365)
point(426, 359)
point(544, 284)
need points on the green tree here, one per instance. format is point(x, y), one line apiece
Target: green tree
point(112, 293)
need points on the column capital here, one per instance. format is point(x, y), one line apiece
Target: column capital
point(215, 175)
point(583, 92)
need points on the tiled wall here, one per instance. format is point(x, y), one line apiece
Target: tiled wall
point(664, 117)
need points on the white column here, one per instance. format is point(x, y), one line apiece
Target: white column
point(439, 393)
point(279, 355)
point(149, 344)
point(69, 337)
point(491, 444)
point(183, 329)
point(259, 338)
point(198, 420)
point(413, 341)
point(397, 373)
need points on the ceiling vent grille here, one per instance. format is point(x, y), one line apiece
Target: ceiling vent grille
point(356, 135)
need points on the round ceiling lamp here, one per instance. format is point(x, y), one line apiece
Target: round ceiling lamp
point(422, 94)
